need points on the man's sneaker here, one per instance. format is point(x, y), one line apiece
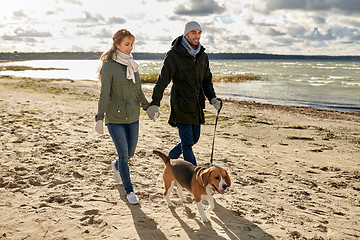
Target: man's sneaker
point(132, 198)
point(116, 172)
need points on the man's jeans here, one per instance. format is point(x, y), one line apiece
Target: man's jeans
point(189, 135)
point(125, 137)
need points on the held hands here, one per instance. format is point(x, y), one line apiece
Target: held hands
point(216, 103)
point(153, 112)
point(99, 126)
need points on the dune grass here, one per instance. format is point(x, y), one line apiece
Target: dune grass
point(148, 78)
point(24, 68)
point(236, 78)
point(152, 78)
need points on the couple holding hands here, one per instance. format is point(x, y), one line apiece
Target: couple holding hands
point(186, 64)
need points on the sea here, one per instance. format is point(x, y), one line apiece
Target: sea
point(322, 84)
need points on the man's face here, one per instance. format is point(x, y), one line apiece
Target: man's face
point(193, 37)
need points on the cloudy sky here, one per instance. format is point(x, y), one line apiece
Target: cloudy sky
point(310, 27)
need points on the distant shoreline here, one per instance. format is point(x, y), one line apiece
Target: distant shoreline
point(159, 56)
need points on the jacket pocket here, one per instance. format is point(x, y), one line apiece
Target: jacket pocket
point(118, 109)
point(186, 101)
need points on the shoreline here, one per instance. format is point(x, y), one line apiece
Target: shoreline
point(294, 170)
point(259, 104)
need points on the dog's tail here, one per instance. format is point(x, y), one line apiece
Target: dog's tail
point(165, 158)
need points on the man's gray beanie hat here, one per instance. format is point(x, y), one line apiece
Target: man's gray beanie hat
point(192, 25)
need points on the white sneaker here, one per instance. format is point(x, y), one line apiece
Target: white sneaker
point(116, 172)
point(132, 198)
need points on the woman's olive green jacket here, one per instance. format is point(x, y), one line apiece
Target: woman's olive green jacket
point(120, 99)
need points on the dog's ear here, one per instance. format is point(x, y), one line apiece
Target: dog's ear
point(227, 179)
point(204, 176)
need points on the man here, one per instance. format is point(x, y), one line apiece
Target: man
point(187, 65)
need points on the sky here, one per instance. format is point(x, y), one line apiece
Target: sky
point(300, 27)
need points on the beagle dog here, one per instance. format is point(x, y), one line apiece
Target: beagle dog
point(201, 182)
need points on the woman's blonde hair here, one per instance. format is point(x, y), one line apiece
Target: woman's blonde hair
point(117, 39)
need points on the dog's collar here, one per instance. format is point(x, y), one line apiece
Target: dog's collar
point(215, 189)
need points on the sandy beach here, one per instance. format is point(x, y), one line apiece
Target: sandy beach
point(295, 171)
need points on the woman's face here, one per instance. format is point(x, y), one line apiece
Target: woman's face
point(126, 45)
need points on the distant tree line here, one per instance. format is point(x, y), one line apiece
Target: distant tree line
point(69, 55)
point(159, 56)
point(237, 56)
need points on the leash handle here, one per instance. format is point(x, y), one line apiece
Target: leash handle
point(216, 121)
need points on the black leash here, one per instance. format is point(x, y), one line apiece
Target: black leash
point(216, 121)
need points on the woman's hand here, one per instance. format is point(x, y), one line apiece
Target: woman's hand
point(99, 126)
point(153, 112)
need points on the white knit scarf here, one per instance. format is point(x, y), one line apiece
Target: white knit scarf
point(128, 61)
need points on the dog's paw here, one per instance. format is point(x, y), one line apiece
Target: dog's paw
point(205, 219)
point(148, 153)
point(183, 199)
point(171, 205)
point(209, 208)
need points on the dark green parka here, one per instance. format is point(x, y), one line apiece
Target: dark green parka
point(191, 82)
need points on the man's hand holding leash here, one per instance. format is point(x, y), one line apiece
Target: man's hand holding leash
point(216, 102)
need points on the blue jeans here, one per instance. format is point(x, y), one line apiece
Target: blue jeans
point(189, 135)
point(125, 137)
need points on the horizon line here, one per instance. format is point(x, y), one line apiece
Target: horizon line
point(215, 53)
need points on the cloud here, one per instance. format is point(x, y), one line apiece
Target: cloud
point(76, 2)
point(271, 26)
point(116, 20)
point(318, 36)
point(30, 40)
point(18, 39)
point(199, 8)
point(296, 30)
point(25, 36)
point(319, 25)
point(226, 43)
point(137, 16)
point(250, 21)
point(334, 34)
point(347, 34)
point(19, 15)
point(31, 33)
point(353, 22)
point(104, 33)
point(164, 39)
point(347, 6)
point(76, 48)
point(87, 18)
point(319, 20)
point(83, 33)
point(274, 33)
point(10, 38)
point(285, 41)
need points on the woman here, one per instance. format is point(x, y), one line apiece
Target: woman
point(120, 99)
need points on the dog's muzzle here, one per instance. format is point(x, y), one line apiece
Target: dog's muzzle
point(221, 191)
